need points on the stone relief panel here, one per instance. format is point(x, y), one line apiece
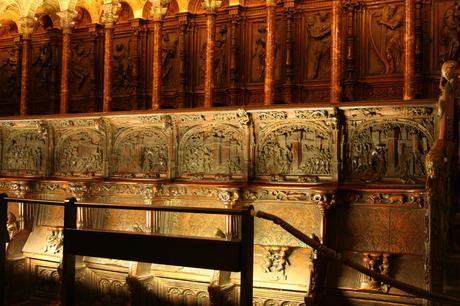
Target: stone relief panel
point(80, 147)
point(391, 150)
point(301, 150)
point(25, 148)
point(211, 151)
point(140, 152)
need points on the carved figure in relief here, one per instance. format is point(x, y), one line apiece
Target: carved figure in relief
point(24, 152)
point(450, 34)
point(54, 242)
point(42, 65)
point(12, 225)
point(80, 65)
point(391, 51)
point(168, 53)
point(9, 74)
point(275, 261)
point(220, 58)
point(122, 66)
point(7, 28)
point(319, 29)
point(259, 51)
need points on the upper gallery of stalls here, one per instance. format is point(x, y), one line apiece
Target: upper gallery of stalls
point(371, 64)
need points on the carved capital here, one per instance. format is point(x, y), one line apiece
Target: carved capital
point(26, 26)
point(67, 19)
point(229, 198)
point(324, 200)
point(110, 11)
point(211, 5)
point(350, 6)
point(159, 9)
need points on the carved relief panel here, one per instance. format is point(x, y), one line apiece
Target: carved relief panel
point(212, 146)
point(380, 148)
point(141, 147)
point(317, 35)
point(25, 148)
point(9, 75)
point(81, 71)
point(299, 151)
point(383, 38)
point(169, 60)
point(123, 64)
point(80, 147)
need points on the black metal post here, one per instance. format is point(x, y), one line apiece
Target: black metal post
point(68, 260)
point(247, 257)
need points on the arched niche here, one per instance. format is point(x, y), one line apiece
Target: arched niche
point(126, 13)
point(83, 17)
point(8, 27)
point(43, 23)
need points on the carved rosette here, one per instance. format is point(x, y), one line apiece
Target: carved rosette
point(140, 152)
point(211, 152)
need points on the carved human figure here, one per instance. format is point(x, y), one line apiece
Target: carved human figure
point(259, 51)
point(319, 29)
point(450, 35)
point(392, 21)
point(121, 67)
point(80, 65)
point(168, 53)
point(12, 225)
point(8, 71)
point(220, 63)
point(42, 64)
point(8, 28)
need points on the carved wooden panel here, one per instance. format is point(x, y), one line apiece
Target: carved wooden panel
point(25, 148)
point(80, 147)
point(382, 148)
point(10, 76)
point(301, 150)
point(141, 147)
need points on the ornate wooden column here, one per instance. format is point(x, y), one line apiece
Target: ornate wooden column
point(158, 10)
point(409, 51)
point(183, 27)
point(349, 8)
point(109, 16)
point(67, 24)
point(289, 13)
point(233, 91)
point(209, 75)
point(27, 26)
point(269, 82)
point(336, 53)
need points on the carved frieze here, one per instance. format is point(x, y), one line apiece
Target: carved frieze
point(25, 148)
point(213, 151)
point(140, 152)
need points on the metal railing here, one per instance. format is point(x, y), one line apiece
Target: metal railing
point(234, 254)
